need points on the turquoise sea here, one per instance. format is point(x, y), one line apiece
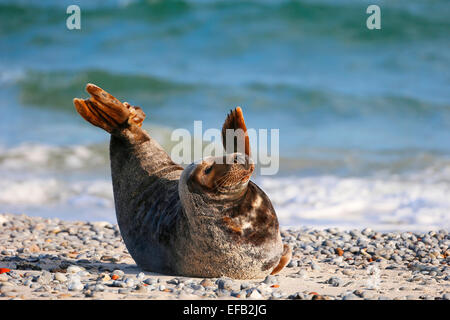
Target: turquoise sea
point(364, 115)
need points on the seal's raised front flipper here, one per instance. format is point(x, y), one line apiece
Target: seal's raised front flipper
point(235, 121)
point(284, 260)
point(105, 111)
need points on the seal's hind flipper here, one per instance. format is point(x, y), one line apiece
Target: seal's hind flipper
point(105, 111)
point(235, 121)
point(284, 260)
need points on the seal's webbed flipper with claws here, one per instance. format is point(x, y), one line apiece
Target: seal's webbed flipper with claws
point(105, 111)
point(235, 121)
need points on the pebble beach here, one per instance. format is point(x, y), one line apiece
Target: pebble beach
point(54, 259)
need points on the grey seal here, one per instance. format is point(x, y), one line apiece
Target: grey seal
point(207, 220)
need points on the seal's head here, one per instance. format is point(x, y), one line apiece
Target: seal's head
point(222, 175)
point(228, 175)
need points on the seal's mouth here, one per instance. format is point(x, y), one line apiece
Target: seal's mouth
point(234, 179)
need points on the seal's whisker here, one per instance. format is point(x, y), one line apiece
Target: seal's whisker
point(227, 178)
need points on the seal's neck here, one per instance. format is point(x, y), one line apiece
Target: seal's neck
point(212, 205)
point(138, 164)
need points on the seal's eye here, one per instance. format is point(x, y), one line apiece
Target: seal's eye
point(208, 170)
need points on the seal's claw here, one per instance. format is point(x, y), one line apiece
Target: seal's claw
point(137, 116)
point(284, 260)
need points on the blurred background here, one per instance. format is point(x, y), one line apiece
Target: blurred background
point(364, 115)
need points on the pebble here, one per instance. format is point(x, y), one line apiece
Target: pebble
point(302, 274)
point(350, 296)
point(197, 286)
point(141, 288)
point(61, 277)
point(34, 248)
point(354, 249)
point(75, 285)
point(124, 291)
point(118, 273)
point(129, 282)
point(89, 293)
point(245, 285)
point(298, 296)
point(227, 284)
point(151, 281)
point(45, 277)
point(104, 277)
point(372, 264)
point(83, 273)
point(315, 266)
point(140, 276)
point(335, 281)
point(221, 293)
point(270, 280)
point(293, 263)
point(254, 294)
point(347, 272)
point(173, 281)
point(206, 283)
point(73, 269)
point(119, 284)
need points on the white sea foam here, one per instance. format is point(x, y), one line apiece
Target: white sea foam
point(30, 192)
point(50, 192)
point(10, 76)
point(38, 157)
point(385, 203)
point(414, 201)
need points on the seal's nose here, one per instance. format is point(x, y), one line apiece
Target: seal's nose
point(240, 159)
